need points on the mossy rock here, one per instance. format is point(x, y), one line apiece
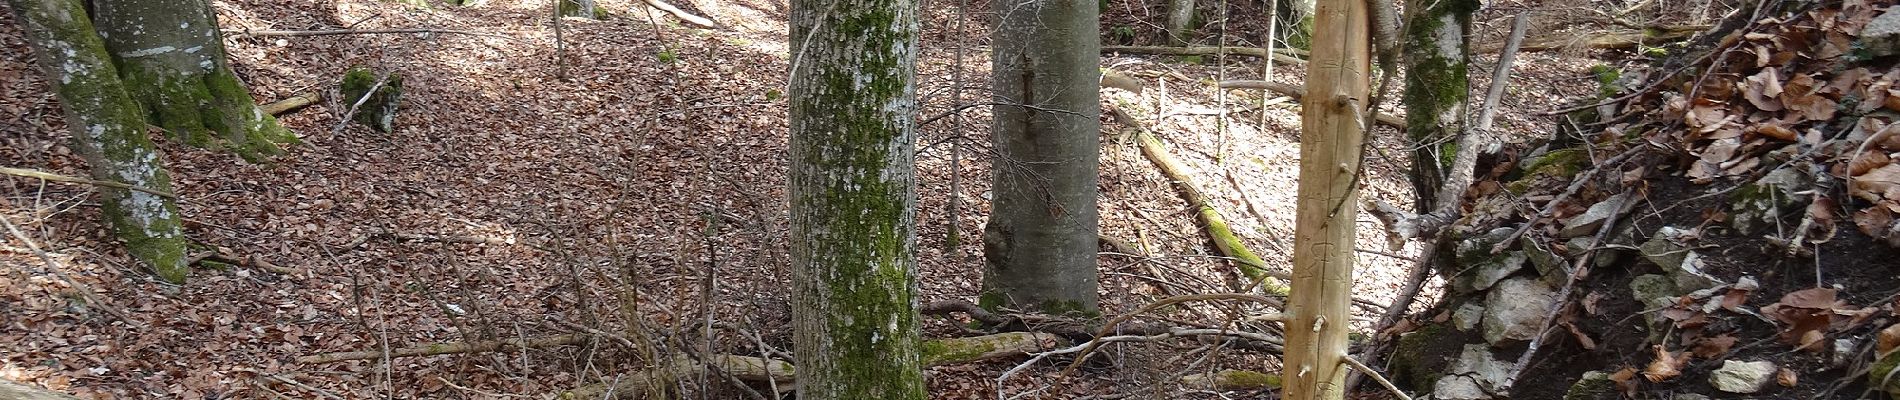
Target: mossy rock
point(1881, 368)
point(1557, 165)
point(379, 110)
point(1593, 385)
point(1421, 356)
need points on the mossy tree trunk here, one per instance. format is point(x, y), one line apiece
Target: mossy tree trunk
point(1436, 89)
point(171, 58)
point(853, 202)
point(1180, 22)
point(108, 132)
point(1332, 137)
point(1295, 23)
point(1039, 245)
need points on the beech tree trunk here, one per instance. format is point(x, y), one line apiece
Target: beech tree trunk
point(1180, 22)
point(107, 131)
point(1332, 136)
point(1040, 243)
point(171, 58)
point(1437, 89)
point(853, 202)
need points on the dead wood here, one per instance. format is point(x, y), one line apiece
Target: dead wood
point(1281, 56)
point(1613, 40)
point(1294, 91)
point(1229, 244)
point(334, 32)
point(447, 348)
point(684, 16)
point(38, 174)
point(292, 103)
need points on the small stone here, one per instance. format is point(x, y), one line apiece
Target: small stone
point(1881, 37)
point(1454, 387)
point(1763, 202)
point(1669, 249)
point(1586, 224)
point(1495, 269)
point(1467, 316)
point(1688, 396)
point(1514, 310)
point(1478, 364)
point(1742, 377)
point(1593, 385)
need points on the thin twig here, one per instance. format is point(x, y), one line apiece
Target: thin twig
point(1376, 377)
point(332, 32)
point(38, 174)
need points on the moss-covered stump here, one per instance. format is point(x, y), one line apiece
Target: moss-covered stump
point(378, 111)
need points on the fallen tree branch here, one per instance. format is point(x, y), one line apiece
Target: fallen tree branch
point(292, 103)
point(684, 16)
point(1294, 91)
point(462, 239)
point(1230, 245)
point(447, 348)
point(38, 174)
point(1614, 40)
point(1203, 51)
point(642, 384)
point(334, 32)
point(1112, 323)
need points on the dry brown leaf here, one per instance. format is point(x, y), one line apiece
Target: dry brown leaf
point(1711, 347)
point(1666, 366)
point(1816, 298)
point(1625, 380)
point(1878, 183)
point(1776, 130)
point(1786, 377)
point(1763, 88)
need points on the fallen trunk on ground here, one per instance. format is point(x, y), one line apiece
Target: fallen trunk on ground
point(1282, 56)
point(1604, 41)
point(1251, 265)
point(292, 103)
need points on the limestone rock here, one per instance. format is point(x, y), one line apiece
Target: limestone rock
point(1593, 385)
point(1467, 316)
point(1586, 224)
point(1881, 37)
point(1761, 203)
point(1669, 249)
point(1742, 377)
point(1458, 388)
point(1514, 310)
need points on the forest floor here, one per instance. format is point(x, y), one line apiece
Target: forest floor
point(652, 177)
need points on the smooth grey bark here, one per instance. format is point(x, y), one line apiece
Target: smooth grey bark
point(1437, 89)
point(108, 132)
point(853, 199)
point(1040, 243)
point(1180, 21)
point(171, 58)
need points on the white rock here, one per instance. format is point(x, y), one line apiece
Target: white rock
point(1515, 309)
point(1742, 377)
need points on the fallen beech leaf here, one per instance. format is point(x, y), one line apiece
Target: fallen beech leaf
point(1714, 346)
point(1818, 298)
point(1880, 183)
point(1776, 131)
point(1582, 339)
point(1666, 366)
point(1786, 377)
point(1812, 340)
point(1625, 380)
point(1762, 89)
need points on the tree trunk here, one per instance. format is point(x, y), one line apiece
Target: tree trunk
point(171, 58)
point(1039, 246)
point(1436, 90)
point(1331, 141)
point(1296, 22)
point(853, 200)
point(108, 132)
point(1180, 22)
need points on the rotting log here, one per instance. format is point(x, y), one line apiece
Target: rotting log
point(1250, 264)
point(987, 347)
point(1231, 380)
point(1281, 56)
point(1297, 92)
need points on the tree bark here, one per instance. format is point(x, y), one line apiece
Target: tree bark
point(1180, 22)
point(108, 132)
point(1331, 142)
point(853, 202)
point(1039, 245)
point(171, 58)
point(1436, 89)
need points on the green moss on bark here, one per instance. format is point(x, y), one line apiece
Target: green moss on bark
point(1436, 89)
point(378, 111)
point(109, 132)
